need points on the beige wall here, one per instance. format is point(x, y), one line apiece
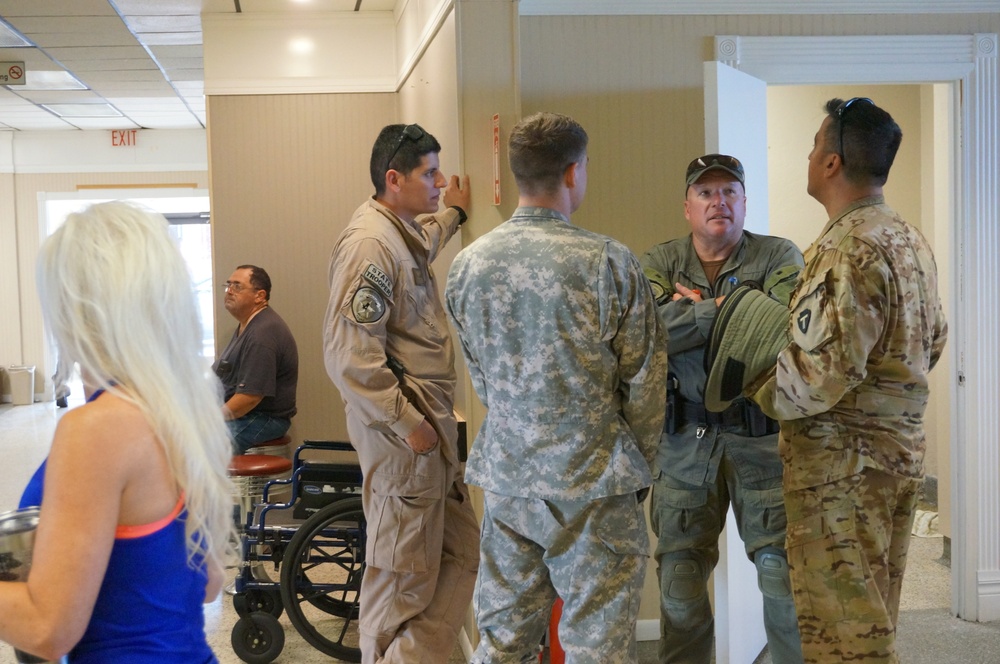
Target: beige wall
point(287, 173)
point(794, 114)
point(635, 82)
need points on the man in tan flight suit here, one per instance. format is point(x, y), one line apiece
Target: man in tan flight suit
point(388, 350)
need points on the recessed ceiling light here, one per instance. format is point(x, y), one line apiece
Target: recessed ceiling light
point(11, 38)
point(51, 80)
point(83, 110)
point(301, 45)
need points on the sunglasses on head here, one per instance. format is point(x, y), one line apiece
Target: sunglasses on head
point(841, 112)
point(412, 132)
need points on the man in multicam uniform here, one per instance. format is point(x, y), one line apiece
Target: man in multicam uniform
point(710, 460)
point(850, 391)
point(388, 350)
point(560, 332)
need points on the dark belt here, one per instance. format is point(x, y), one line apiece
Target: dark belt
point(695, 413)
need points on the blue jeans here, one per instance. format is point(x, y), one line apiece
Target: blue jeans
point(254, 428)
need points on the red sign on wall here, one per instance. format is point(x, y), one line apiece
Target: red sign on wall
point(123, 137)
point(496, 159)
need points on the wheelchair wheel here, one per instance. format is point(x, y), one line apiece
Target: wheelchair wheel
point(258, 638)
point(321, 578)
point(267, 600)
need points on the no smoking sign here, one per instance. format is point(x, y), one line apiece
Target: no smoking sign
point(12, 73)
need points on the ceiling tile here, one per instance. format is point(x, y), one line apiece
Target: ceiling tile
point(144, 56)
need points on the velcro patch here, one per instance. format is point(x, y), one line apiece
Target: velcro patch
point(376, 277)
point(802, 320)
point(367, 305)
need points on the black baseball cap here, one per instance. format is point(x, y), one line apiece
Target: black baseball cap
point(709, 162)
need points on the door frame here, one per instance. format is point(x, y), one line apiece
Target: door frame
point(974, 315)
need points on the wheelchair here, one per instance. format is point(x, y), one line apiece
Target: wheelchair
point(309, 566)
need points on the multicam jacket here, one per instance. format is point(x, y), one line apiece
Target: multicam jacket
point(867, 326)
point(559, 330)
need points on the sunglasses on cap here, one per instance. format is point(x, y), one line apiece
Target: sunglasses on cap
point(709, 162)
point(841, 113)
point(412, 132)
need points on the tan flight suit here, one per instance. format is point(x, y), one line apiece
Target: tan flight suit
point(388, 350)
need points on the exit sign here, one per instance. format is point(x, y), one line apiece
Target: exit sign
point(123, 137)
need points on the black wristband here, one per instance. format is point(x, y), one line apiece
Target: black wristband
point(461, 214)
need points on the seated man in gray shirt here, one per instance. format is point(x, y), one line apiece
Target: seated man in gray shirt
point(259, 368)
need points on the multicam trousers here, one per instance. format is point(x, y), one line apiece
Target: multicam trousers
point(847, 544)
point(592, 554)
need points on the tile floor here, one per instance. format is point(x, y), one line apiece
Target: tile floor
point(927, 632)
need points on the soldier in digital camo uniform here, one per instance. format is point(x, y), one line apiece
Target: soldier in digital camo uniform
point(559, 329)
point(850, 391)
point(388, 350)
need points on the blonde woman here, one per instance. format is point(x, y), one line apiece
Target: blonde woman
point(135, 502)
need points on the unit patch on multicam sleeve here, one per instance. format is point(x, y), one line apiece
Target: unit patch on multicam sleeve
point(812, 325)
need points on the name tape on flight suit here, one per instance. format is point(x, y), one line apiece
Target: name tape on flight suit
point(379, 279)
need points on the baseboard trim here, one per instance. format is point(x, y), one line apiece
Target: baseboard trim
point(465, 644)
point(647, 630)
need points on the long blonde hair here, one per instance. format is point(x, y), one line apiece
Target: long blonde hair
point(118, 299)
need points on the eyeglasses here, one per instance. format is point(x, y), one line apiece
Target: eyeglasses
point(841, 111)
point(412, 132)
point(697, 167)
point(236, 287)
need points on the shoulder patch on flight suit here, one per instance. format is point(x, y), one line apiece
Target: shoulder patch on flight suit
point(367, 305)
point(661, 288)
point(376, 277)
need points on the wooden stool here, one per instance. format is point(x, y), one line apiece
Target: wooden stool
point(275, 446)
point(250, 472)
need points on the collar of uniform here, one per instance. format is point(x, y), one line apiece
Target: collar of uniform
point(537, 213)
point(696, 272)
point(412, 233)
point(860, 203)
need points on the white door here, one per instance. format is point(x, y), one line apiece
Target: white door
point(736, 124)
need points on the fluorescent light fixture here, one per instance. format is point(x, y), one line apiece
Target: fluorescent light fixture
point(11, 38)
point(301, 45)
point(51, 80)
point(83, 110)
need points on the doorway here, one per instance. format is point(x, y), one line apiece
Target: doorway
point(969, 64)
point(187, 211)
point(919, 189)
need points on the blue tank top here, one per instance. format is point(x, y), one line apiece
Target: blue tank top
point(149, 607)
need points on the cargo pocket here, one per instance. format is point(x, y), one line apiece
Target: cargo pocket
point(401, 522)
point(673, 509)
point(827, 568)
point(622, 562)
point(765, 515)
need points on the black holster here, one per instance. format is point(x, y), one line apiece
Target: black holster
point(758, 424)
point(675, 413)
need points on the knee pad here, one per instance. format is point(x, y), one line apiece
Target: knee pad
point(772, 573)
point(683, 579)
